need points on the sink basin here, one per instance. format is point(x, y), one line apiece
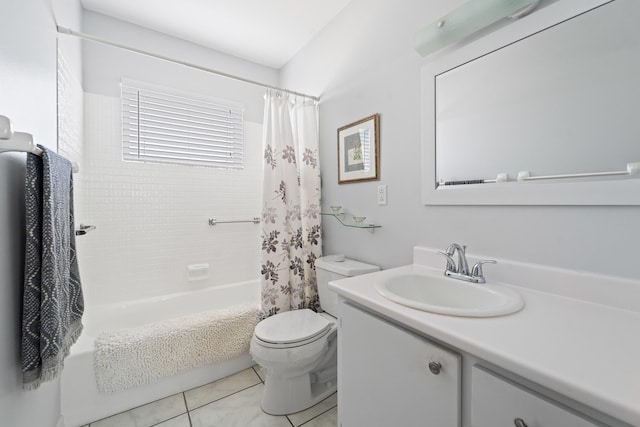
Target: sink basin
point(444, 295)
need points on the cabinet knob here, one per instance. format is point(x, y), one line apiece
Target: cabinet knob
point(435, 368)
point(519, 422)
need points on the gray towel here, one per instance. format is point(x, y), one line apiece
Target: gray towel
point(52, 300)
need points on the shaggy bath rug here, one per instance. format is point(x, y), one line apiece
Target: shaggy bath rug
point(127, 358)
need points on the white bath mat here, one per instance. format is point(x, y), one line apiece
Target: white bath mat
point(126, 358)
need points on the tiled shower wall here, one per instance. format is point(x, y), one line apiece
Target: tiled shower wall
point(152, 219)
point(70, 109)
point(70, 121)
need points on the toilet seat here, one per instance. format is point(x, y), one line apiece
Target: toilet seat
point(292, 329)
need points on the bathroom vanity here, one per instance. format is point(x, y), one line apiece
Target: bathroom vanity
point(568, 358)
point(384, 374)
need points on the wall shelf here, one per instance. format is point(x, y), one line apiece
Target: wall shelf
point(348, 220)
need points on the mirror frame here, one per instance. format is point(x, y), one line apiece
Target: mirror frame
point(553, 192)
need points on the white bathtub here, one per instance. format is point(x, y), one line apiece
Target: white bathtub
point(81, 401)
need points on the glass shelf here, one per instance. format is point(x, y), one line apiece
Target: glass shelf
point(348, 220)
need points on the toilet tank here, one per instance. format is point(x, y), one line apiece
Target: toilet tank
point(335, 267)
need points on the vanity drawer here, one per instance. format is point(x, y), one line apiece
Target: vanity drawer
point(497, 402)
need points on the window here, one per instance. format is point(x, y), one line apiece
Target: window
point(158, 126)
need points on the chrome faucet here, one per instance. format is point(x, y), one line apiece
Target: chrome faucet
point(461, 269)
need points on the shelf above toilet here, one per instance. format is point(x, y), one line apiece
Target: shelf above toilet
point(349, 220)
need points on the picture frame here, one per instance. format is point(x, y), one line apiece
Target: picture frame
point(359, 151)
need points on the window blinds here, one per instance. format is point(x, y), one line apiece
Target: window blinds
point(168, 128)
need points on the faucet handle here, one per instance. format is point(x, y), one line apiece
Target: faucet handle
point(451, 264)
point(476, 271)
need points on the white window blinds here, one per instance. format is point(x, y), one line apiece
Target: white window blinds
point(161, 127)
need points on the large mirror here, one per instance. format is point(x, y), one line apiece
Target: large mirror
point(556, 94)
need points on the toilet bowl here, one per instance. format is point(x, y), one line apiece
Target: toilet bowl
point(298, 349)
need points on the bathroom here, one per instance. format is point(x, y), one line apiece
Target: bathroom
point(362, 63)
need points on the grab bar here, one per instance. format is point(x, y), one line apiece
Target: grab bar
point(214, 221)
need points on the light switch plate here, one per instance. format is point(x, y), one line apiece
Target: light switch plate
point(382, 194)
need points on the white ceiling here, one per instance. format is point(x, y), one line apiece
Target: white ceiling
point(268, 32)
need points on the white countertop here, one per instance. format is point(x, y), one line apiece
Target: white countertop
point(586, 351)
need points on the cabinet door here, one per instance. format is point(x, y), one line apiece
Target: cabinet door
point(498, 402)
point(384, 377)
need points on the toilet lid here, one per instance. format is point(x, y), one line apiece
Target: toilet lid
point(291, 327)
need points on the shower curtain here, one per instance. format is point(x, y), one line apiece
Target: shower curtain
point(291, 235)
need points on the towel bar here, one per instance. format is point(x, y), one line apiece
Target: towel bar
point(20, 141)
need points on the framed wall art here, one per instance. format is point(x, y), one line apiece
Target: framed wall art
point(359, 150)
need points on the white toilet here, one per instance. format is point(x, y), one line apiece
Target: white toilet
point(298, 349)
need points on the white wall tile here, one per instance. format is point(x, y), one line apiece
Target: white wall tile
point(152, 219)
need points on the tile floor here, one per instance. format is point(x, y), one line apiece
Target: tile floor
point(233, 401)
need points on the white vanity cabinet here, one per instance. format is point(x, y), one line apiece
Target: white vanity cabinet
point(388, 376)
point(565, 360)
point(495, 401)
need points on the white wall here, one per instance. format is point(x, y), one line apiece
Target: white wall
point(105, 65)
point(68, 14)
point(28, 88)
point(364, 63)
point(152, 219)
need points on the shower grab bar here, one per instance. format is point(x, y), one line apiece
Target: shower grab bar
point(20, 141)
point(214, 221)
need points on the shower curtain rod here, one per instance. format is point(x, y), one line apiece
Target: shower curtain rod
point(63, 30)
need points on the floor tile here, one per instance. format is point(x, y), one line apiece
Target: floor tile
point(260, 371)
point(147, 415)
point(239, 410)
point(302, 417)
point(328, 419)
point(179, 421)
point(218, 389)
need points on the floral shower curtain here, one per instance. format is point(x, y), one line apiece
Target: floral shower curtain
point(291, 237)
